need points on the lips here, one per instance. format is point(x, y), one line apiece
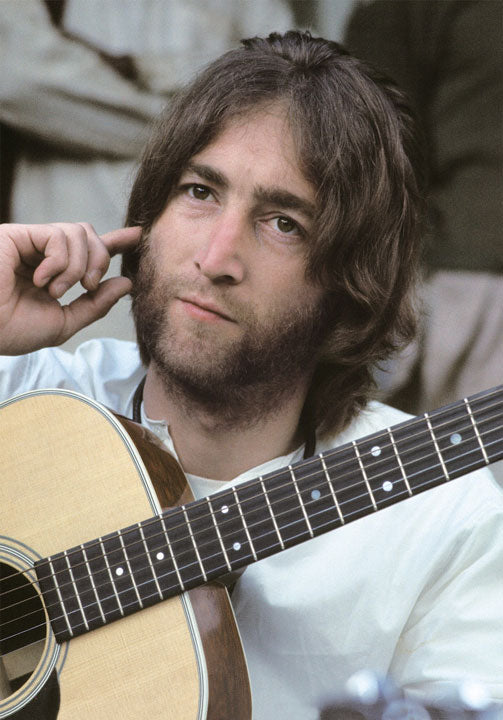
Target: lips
point(206, 306)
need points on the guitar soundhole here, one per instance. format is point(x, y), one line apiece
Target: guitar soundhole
point(23, 627)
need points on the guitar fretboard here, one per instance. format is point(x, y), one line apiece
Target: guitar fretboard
point(118, 574)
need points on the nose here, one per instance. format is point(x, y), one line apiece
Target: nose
point(220, 257)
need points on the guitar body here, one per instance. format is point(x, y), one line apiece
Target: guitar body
point(72, 471)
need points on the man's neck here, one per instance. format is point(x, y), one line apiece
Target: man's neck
point(208, 448)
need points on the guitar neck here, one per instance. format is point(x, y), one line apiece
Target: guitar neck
point(115, 575)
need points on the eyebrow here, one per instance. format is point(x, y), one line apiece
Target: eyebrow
point(269, 195)
point(209, 173)
point(285, 199)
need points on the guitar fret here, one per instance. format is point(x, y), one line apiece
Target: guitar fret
point(60, 597)
point(348, 482)
point(227, 544)
point(379, 460)
point(99, 581)
point(399, 461)
point(331, 488)
point(81, 581)
point(93, 584)
point(72, 580)
point(257, 518)
point(302, 506)
point(419, 456)
point(121, 609)
point(245, 525)
point(175, 564)
point(214, 548)
point(369, 489)
point(435, 443)
point(147, 554)
point(131, 574)
point(194, 543)
point(476, 430)
point(282, 544)
point(317, 499)
point(288, 512)
point(217, 529)
point(98, 587)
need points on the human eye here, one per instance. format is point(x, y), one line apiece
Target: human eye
point(284, 225)
point(198, 191)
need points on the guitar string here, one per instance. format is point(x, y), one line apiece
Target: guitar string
point(195, 563)
point(327, 455)
point(222, 568)
point(135, 604)
point(317, 475)
point(211, 514)
point(178, 511)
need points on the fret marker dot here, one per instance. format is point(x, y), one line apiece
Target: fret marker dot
point(236, 546)
point(225, 509)
point(160, 556)
point(387, 486)
point(375, 451)
point(119, 571)
point(316, 494)
point(455, 439)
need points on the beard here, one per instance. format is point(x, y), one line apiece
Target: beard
point(237, 380)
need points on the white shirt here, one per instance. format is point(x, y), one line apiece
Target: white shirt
point(413, 591)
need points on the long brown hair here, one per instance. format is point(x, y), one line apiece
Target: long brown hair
point(358, 146)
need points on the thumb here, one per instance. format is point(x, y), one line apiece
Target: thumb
point(92, 306)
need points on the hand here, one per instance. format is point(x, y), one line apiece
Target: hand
point(38, 264)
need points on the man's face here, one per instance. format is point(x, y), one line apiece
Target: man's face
point(222, 298)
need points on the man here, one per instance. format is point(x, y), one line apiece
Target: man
point(278, 203)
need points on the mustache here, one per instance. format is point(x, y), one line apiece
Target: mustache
point(184, 286)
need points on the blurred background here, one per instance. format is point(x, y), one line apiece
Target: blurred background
point(82, 80)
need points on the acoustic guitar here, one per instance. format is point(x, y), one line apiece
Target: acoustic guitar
point(98, 623)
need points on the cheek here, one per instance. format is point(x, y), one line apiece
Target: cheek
point(287, 284)
point(168, 245)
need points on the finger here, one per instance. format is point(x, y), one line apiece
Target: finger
point(77, 247)
point(98, 259)
point(65, 258)
point(52, 243)
point(123, 239)
point(92, 306)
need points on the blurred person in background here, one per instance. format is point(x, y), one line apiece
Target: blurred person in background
point(80, 83)
point(447, 55)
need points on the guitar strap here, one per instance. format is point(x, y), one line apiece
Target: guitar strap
point(137, 401)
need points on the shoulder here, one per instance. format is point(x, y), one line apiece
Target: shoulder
point(105, 369)
point(374, 417)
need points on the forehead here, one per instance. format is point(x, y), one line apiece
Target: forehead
point(259, 146)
